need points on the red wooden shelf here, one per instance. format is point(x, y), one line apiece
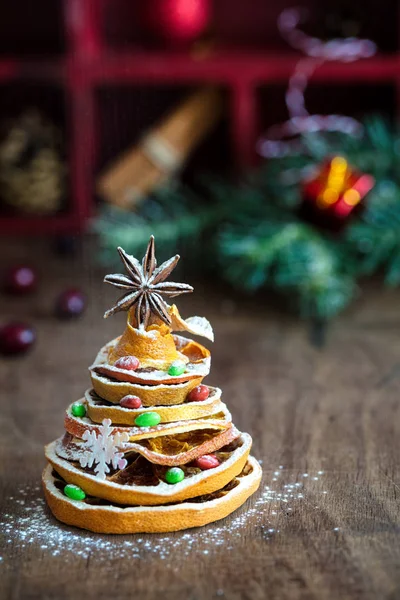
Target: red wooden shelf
point(232, 68)
point(56, 224)
point(89, 64)
point(27, 70)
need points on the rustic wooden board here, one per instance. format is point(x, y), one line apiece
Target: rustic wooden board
point(334, 410)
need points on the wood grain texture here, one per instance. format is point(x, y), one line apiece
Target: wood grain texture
point(335, 410)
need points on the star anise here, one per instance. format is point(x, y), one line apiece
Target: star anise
point(145, 284)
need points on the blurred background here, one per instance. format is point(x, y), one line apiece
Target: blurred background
point(257, 138)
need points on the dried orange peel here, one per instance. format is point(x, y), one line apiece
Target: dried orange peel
point(156, 347)
point(194, 325)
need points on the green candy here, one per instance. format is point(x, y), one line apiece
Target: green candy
point(78, 410)
point(177, 368)
point(174, 475)
point(74, 492)
point(149, 419)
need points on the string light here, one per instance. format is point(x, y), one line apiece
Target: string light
point(351, 197)
point(337, 187)
point(275, 143)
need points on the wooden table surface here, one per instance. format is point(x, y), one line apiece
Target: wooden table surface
point(333, 410)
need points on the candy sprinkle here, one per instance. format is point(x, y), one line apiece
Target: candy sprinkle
point(130, 401)
point(177, 368)
point(74, 492)
point(128, 363)
point(174, 475)
point(199, 394)
point(150, 419)
point(78, 409)
point(208, 461)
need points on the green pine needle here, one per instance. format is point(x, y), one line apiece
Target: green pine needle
point(170, 215)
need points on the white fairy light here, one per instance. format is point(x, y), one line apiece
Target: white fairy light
point(276, 143)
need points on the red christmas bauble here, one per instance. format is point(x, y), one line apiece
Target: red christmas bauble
point(177, 22)
point(70, 304)
point(20, 279)
point(16, 338)
point(334, 193)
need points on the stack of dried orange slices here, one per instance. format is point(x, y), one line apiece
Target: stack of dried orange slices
point(149, 448)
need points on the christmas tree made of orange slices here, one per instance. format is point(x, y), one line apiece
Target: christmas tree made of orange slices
point(149, 448)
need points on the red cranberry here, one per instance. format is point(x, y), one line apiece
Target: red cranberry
point(70, 304)
point(16, 338)
point(128, 363)
point(208, 461)
point(20, 280)
point(130, 402)
point(198, 394)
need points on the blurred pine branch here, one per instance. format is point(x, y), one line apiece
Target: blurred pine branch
point(252, 233)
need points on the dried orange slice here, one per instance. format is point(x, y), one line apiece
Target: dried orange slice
point(98, 409)
point(93, 514)
point(76, 426)
point(197, 359)
point(204, 482)
point(173, 450)
point(150, 395)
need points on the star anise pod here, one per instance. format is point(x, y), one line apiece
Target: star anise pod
point(144, 286)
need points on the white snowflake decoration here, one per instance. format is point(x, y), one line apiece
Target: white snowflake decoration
point(103, 449)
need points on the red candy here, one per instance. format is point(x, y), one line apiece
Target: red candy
point(70, 304)
point(16, 338)
point(20, 280)
point(129, 363)
point(198, 394)
point(208, 461)
point(130, 402)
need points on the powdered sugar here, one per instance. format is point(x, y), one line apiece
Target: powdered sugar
point(32, 524)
